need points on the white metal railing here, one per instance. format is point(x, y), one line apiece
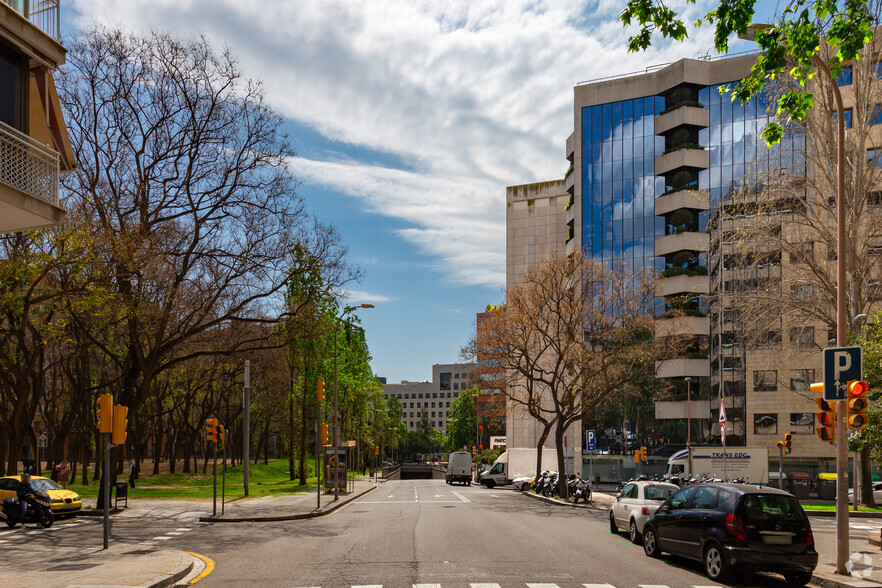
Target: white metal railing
point(44, 14)
point(27, 165)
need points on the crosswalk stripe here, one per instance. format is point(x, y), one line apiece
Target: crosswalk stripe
point(598, 586)
point(542, 586)
point(427, 586)
point(652, 586)
point(485, 586)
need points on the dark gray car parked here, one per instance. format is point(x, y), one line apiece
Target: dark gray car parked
point(735, 526)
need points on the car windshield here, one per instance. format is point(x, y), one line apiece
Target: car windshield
point(44, 484)
point(771, 506)
point(658, 492)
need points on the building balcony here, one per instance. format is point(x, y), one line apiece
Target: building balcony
point(685, 115)
point(682, 284)
point(28, 183)
point(682, 158)
point(692, 199)
point(683, 242)
point(680, 368)
point(570, 182)
point(571, 147)
point(682, 325)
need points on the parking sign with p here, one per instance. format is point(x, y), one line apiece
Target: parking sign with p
point(841, 365)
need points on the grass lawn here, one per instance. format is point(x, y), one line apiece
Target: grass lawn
point(264, 480)
point(810, 506)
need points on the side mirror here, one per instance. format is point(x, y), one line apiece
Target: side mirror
point(663, 508)
point(619, 496)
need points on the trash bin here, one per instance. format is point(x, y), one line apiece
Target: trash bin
point(800, 484)
point(778, 480)
point(122, 492)
point(827, 486)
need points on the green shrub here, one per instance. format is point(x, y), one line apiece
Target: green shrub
point(682, 94)
point(673, 271)
point(683, 258)
point(675, 105)
point(680, 179)
point(682, 217)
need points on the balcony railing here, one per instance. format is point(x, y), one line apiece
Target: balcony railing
point(44, 14)
point(27, 165)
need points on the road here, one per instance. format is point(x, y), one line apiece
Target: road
point(420, 532)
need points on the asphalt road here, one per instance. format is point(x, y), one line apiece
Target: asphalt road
point(419, 532)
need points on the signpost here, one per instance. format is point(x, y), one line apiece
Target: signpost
point(590, 440)
point(841, 364)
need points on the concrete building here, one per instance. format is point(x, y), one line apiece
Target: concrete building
point(434, 397)
point(34, 144)
point(536, 226)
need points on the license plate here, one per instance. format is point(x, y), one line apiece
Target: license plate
point(778, 539)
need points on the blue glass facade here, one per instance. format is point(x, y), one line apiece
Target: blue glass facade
point(619, 186)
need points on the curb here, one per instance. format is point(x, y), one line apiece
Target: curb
point(557, 501)
point(828, 581)
point(173, 579)
point(851, 513)
point(295, 517)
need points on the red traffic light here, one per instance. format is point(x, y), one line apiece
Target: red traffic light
point(858, 388)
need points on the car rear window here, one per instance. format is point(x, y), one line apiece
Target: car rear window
point(771, 506)
point(44, 484)
point(658, 492)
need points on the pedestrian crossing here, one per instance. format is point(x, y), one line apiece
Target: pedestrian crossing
point(32, 529)
point(526, 585)
point(168, 535)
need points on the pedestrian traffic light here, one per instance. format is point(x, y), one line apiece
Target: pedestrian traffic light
point(826, 417)
point(120, 423)
point(857, 404)
point(105, 413)
point(321, 391)
point(787, 439)
point(211, 430)
point(220, 437)
point(324, 432)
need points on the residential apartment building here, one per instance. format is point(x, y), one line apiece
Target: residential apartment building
point(34, 144)
point(432, 398)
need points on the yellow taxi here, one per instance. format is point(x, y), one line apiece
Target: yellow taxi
point(62, 501)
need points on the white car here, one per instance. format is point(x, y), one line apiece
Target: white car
point(635, 503)
point(877, 493)
point(522, 483)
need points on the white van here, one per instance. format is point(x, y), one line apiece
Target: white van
point(459, 468)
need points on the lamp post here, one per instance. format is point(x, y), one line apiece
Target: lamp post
point(689, 422)
point(336, 440)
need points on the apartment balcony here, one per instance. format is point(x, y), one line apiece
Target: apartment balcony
point(683, 242)
point(680, 368)
point(692, 199)
point(682, 325)
point(571, 147)
point(570, 182)
point(682, 158)
point(44, 14)
point(28, 183)
point(685, 115)
point(682, 284)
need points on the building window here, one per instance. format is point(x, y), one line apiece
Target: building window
point(765, 424)
point(802, 422)
point(800, 380)
point(769, 338)
point(455, 376)
point(765, 380)
point(847, 117)
point(433, 405)
point(456, 385)
point(434, 395)
point(420, 396)
point(844, 78)
point(433, 413)
point(802, 337)
point(455, 394)
point(444, 381)
point(872, 158)
point(448, 405)
point(406, 396)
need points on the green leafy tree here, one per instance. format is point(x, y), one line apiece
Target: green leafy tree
point(461, 423)
point(791, 45)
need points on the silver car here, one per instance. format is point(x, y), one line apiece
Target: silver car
point(635, 503)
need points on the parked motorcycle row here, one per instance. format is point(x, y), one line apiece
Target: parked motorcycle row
point(546, 484)
point(684, 481)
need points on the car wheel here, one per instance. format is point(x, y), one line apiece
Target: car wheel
point(798, 578)
point(715, 563)
point(613, 527)
point(634, 533)
point(490, 484)
point(468, 483)
point(47, 519)
point(650, 543)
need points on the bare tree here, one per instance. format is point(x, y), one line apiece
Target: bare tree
point(571, 333)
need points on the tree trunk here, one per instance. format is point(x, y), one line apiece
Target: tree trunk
point(866, 484)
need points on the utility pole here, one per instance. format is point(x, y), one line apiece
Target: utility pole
point(246, 423)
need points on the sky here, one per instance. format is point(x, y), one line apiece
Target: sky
point(409, 118)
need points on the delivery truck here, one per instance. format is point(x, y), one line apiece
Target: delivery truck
point(517, 462)
point(459, 468)
point(740, 462)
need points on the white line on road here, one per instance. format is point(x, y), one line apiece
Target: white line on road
point(172, 533)
point(161, 538)
point(460, 496)
point(598, 586)
point(652, 586)
point(427, 586)
point(184, 529)
point(485, 586)
point(542, 586)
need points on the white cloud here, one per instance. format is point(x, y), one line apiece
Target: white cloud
point(361, 297)
point(471, 96)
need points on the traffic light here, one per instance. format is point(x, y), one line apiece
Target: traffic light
point(324, 432)
point(220, 436)
point(321, 391)
point(637, 455)
point(376, 450)
point(643, 453)
point(787, 439)
point(211, 430)
point(105, 413)
point(120, 423)
point(827, 415)
point(857, 404)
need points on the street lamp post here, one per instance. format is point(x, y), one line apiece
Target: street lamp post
point(336, 439)
point(689, 422)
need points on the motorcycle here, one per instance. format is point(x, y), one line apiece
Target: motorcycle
point(38, 510)
point(581, 490)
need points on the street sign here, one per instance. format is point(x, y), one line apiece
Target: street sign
point(43, 441)
point(590, 440)
point(841, 364)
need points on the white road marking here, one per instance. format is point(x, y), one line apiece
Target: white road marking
point(598, 586)
point(161, 538)
point(485, 586)
point(184, 529)
point(460, 496)
point(172, 533)
point(652, 586)
point(147, 543)
point(369, 586)
point(427, 586)
point(542, 586)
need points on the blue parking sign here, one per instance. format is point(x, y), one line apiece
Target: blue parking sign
point(841, 365)
point(590, 440)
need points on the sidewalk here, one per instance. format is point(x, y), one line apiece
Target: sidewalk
point(127, 565)
point(867, 558)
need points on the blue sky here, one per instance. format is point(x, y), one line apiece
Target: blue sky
point(409, 118)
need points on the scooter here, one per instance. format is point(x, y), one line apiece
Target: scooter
point(581, 491)
point(38, 510)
